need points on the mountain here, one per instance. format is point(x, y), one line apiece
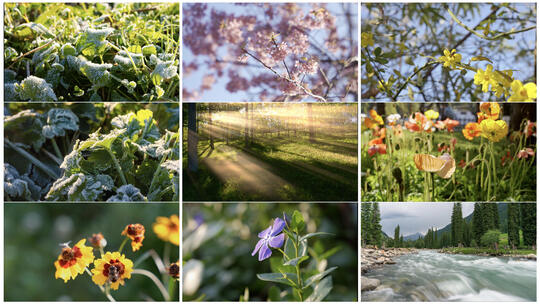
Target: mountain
point(503, 219)
point(413, 237)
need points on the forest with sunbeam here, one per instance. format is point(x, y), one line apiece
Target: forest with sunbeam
point(270, 152)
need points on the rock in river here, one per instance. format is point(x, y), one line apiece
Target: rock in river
point(369, 284)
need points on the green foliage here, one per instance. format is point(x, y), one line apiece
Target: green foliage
point(127, 158)
point(490, 238)
point(129, 53)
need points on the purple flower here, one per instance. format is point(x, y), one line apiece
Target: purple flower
point(270, 238)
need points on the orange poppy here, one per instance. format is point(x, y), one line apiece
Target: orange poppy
point(490, 109)
point(471, 130)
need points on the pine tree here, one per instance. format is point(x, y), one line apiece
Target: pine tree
point(513, 225)
point(528, 218)
point(478, 223)
point(401, 241)
point(376, 228)
point(435, 242)
point(457, 225)
point(495, 212)
point(396, 237)
point(366, 232)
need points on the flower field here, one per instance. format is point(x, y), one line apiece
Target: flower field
point(416, 154)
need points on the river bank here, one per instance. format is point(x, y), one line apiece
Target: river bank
point(372, 258)
point(487, 252)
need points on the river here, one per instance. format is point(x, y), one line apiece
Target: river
point(433, 276)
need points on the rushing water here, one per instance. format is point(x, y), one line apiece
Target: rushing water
point(432, 276)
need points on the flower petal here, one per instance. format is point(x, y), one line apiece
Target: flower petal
point(276, 241)
point(265, 252)
point(265, 232)
point(531, 90)
point(279, 224)
point(257, 247)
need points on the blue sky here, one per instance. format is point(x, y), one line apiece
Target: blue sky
point(502, 53)
point(218, 93)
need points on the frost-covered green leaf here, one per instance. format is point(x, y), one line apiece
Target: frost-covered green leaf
point(59, 120)
point(10, 92)
point(92, 42)
point(68, 50)
point(163, 70)
point(18, 187)
point(148, 50)
point(25, 127)
point(98, 74)
point(31, 29)
point(80, 187)
point(124, 59)
point(127, 193)
point(100, 140)
point(35, 89)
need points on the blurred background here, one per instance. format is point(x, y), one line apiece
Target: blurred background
point(33, 232)
point(218, 239)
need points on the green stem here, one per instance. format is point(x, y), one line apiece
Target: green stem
point(172, 287)
point(117, 166)
point(56, 149)
point(284, 254)
point(300, 283)
point(123, 244)
point(32, 159)
point(155, 280)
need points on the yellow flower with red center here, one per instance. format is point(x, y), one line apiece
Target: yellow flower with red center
point(112, 268)
point(522, 92)
point(471, 130)
point(168, 229)
point(136, 233)
point(73, 261)
point(494, 130)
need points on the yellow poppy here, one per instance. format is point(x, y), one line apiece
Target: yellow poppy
point(494, 130)
point(112, 268)
point(168, 229)
point(430, 114)
point(444, 166)
point(522, 92)
point(73, 261)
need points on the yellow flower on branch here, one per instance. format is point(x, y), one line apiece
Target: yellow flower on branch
point(112, 268)
point(367, 39)
point(494, 130)
point(136, 233)
point(72, 261)
point(168, 229)
point(430, 114)
point(522, 92)
point(450, 59)
point(485, 78)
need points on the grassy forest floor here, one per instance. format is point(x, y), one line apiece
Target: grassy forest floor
point(274, 168)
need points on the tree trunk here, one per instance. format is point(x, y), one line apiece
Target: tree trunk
point(246, 127)
point(210, 129)
point(193, 137)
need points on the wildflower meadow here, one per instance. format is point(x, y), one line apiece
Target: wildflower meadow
point(449, 152)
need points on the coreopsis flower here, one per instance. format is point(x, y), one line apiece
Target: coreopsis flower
point(431, 114)
point(490, 110)
point(522, 92)
point(367, 39)
point(136, 233)
point(494, 130)
point(393, 118)
point(168, 229)
point(97, 240)
point(444, 166)
point(471, 130)
point(112, 268)
point(485, 78)
point(72, 261)
point(525, 153)
point(174, 270)
point(271, 237)
point(450, 59)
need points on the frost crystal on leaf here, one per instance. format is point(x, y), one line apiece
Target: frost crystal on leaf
point(59, 120)
point(127, 193)
point(36, 89)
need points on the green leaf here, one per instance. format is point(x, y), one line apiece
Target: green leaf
point(321, 290)
point(297, 221)
point(59, 120)
point(31, 29)
point(135, 49)
point(36, 89)
point(274, 294)
point(127, 193)
point(92, 42)
point(296, 261)
point(80, 187)
point(148, 50)
point(318, 276)
point(481, 58)
point(283, 278)
point(310, 235)
point(411, 93)
point(378, 51)
point(25, 127)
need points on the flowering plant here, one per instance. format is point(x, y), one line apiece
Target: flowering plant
point(307, 283)
point(112, 268)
